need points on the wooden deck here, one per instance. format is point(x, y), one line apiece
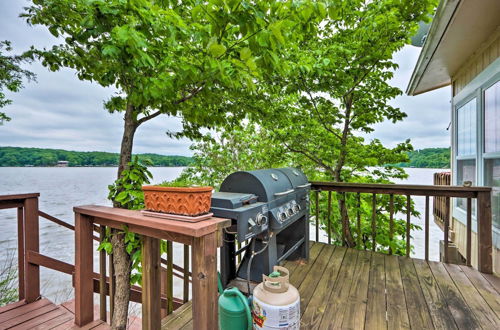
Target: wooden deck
point(341, 288)
point(43, 314)
point(344, 288)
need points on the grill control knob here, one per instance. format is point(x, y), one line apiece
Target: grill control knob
point(282, 216)
point(261, 219)
point(290, 212)
point(296, 208)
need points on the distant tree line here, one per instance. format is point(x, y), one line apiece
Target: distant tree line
point(14, 156)
point(428, 158)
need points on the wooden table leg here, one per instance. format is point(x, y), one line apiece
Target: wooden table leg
point(204, 257)
point(151, 283)
point(31, 243)
point(84, 300)
point(484, 233)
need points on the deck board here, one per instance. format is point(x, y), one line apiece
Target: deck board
point(309, 284)
point(376, 308)
point(484, 288)
point(418, 311)
point(341, 288)
point(438, 307)
point(354, 317)
point(397, 313)
point(312, 314)
point(486, 317)
point(464, 318)
point(333, 317)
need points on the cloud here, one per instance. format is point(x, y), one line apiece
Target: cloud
point(429, 114)
point(60, 111)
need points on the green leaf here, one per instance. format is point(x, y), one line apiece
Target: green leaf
point(216, 50)
point(122, 196)
point(245, 53)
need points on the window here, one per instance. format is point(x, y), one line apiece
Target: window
point(466, 171)
point(466, 129)
point(492, 171)
point(492, 118)
point(492, 147)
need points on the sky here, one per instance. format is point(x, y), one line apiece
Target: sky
point(60, 111)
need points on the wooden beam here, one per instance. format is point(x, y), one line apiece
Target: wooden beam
point(31, 243)
point(399, 189)
point(19, 196)
point(204, 258)
point(10, 204)
point(151, 283)
point(84, 302)
point(20, 250)
point(48, 262)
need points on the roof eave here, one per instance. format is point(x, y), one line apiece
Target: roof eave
point(440, 23)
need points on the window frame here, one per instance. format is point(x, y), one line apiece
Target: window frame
point(475, 89)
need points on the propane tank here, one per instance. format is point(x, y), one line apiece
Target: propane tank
point(234, 311)
point(276, 303)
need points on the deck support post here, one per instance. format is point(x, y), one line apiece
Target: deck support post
point(204, 257)
point(84, 291)
point(31, 243)
point(151, 283)
point(484, 236)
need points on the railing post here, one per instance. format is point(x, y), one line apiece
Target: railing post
point(204, 257)
point(151, 283)
point(31, 243)
point(20, 250)
point(484, 232)
point(84, 292)
point(102, 276)
point(185, 291)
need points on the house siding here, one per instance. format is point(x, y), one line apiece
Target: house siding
point(475, 64)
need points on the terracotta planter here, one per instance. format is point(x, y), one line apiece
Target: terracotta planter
point(189, 201)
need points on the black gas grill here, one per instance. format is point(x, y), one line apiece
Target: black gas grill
point(268, 208)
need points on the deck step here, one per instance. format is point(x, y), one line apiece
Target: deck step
point(180, 318)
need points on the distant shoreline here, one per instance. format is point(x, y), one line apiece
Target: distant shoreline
point(43, 157)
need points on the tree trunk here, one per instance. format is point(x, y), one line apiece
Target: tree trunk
point(122, 261)
point(122, 264)
point(346, 229)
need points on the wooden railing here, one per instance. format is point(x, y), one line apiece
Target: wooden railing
point(441, 204)
point(204, 237)
point(30, 260)
point(483, 210)
point(27, 243)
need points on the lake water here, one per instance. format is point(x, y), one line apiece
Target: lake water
point(62, 188)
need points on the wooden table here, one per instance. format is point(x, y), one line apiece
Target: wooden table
point(204, 237)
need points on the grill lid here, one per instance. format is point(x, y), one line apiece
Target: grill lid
point(268, 184)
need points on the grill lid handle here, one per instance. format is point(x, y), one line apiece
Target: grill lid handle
point(284, 192)
point(304, 185)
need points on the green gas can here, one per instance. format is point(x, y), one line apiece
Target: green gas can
point(234, 311)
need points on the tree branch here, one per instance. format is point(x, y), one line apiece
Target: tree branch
point(179, 101)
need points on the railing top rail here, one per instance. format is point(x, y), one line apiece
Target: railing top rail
point(399, 189)
point(137, 219)
point(18, 196)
